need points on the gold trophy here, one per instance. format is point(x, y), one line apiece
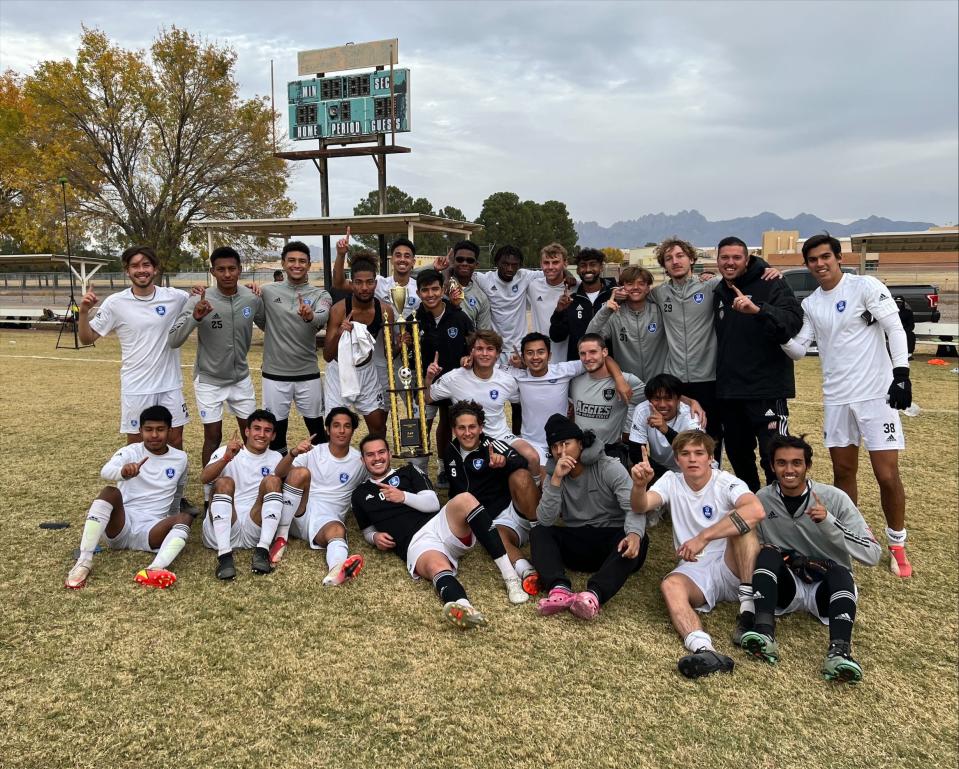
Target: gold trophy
point(410, 436)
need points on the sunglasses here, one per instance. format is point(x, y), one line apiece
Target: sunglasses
point(465, 260)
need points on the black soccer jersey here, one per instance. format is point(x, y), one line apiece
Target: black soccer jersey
point(401, 522)
point(474, 474)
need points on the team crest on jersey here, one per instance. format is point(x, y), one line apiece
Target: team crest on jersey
point(344, 477)
point(133, 423)
point(651, 328)
point(608, 393)
point(553, 381)
point(264, 471)
point(247, 312)
point(477, 464)
point(202, 412)
point(841, 305)
point(170, 472)
point(411, 301)
point(308, 302)
point(515, 289)
point(494, 394)
point(453, 332)
point(471, 301)
point(161, 310)
point(707, 511)
point(698, 297)
point(394, 481)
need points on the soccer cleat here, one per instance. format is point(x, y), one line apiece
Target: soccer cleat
point(276, 550)
point(442, 480)
point(761, 646)
point(464, 617)
point(514, 589)
point(531, 582)
point(899, 562)
point(839, 664)
point(225, 567)
point(744, 622)
point(161, 578)
point(585, 605)
point(77, 578)
point(342, 572)
point(704, 662)
point(260, 563)
point(559, 599)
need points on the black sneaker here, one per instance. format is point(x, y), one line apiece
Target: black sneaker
point(744, 621)
point(225, 568)
point(261, 561)
point(704, 662)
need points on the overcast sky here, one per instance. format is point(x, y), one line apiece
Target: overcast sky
point(618, 109)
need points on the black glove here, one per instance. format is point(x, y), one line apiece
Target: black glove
point(900, 391)
point(809, 570)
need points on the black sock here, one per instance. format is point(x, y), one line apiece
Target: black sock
point(279, 436)
point(315, 427)
point(484, 531)
point(838, 593)
point(769, 564)
point(448, 587)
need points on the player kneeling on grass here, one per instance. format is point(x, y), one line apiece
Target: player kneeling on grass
point(316, 495)
point(247, 496)
point(591, 492)
point(397, 510)
point(713, 514)
point(498, 476)
point(810, 536)
point(142, 511)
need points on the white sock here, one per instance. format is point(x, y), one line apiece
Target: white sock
point(292, 496)
point(698, 639)
point(505, 567)
point(523, 566)
point(221, 515)
point(896, 537)
point(746, 602)
point(98, 516)
point(336, 552)
point(270, 515)
point(173, 543)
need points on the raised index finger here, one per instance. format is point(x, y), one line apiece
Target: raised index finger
point(140, 463)
point(736, 290)
point(347, 232)
point(645, 452)
point(815, 496)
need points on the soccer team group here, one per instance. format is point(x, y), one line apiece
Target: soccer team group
point(626, 398)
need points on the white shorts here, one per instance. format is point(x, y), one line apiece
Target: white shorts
point(135, 534)
point(436, 535)
point(370, 397)
point(515, 522)
point(244, 533)
point(307, 394)
point(805, 599)
point(542, 450)
point(713, 578)
point(317, 515)
point(132, 405)
point(874, 422)
point(210, 399)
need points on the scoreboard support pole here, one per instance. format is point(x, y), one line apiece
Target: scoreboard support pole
point(380, 161)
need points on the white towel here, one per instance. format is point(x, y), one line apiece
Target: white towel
point(354, 348)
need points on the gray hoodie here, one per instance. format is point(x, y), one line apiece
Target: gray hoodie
point(637, 340)
point(289, 343)
point(687, 310)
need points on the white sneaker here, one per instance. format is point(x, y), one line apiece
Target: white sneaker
point(514, 589)
point(77, 578)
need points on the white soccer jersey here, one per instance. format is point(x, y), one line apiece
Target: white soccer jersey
point(844, 325)
point(543, 396)
point(247, 470)
point(507, 304)
point(660, 449)
point(148, 364)
point(332, 479)
point(382, 291)
point(542, 304)
point(150, 494)
point(693, 511)
point(462, 384)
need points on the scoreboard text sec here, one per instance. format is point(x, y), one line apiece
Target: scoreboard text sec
point(349, 105)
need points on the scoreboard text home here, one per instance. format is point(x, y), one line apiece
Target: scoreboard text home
point(348, 105)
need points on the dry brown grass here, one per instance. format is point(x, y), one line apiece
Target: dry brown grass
point(279, 671)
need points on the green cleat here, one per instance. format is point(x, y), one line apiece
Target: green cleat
point(839, 664)
point(761, 646)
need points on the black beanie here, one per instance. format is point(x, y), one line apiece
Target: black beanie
point(559, 428)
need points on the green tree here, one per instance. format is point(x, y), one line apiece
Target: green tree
point(400, 202)
point(154, 145)
point(527, 224)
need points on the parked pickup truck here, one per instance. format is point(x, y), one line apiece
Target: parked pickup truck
point(923, 300)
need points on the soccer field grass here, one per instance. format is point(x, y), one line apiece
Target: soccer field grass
point(279, 671)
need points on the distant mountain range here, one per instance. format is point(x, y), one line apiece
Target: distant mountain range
point(696, 228)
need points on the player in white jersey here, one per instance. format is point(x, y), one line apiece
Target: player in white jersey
point(142, 511)
point(141, 316)
point(713, 515)
point(544, 292)
point(851, 318)
point(318, 482)
point(658, 420)
point(247, 496)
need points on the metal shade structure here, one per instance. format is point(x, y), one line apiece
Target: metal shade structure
point(927, 240)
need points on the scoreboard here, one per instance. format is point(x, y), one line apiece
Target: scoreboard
point(349, 105)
